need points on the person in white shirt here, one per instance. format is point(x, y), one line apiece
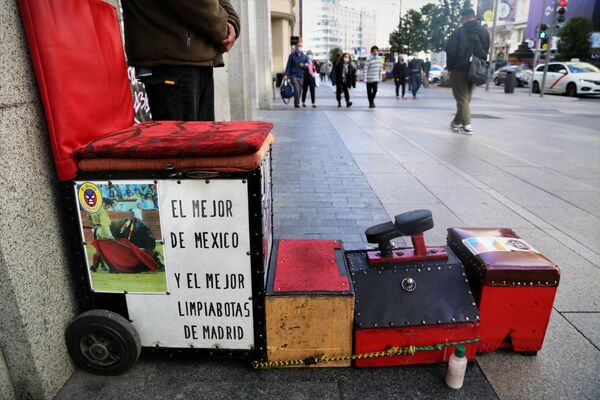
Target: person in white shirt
point(373, 72)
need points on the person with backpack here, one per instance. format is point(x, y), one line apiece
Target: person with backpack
point(344, 74)
point(467, 41)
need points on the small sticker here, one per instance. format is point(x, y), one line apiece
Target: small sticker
point(478, 245)
point(90, 197)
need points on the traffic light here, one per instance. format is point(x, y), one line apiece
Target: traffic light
point(561, 11)
point(543, 36)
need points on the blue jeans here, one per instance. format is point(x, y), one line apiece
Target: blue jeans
point(415, 83)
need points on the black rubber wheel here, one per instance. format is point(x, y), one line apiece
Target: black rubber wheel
point(536, 87)
point(496, 82)
point(571, 90)
point(102, 342)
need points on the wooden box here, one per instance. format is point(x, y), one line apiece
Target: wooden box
point(514, 287)
point(309, 302)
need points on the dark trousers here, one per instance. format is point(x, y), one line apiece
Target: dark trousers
point(309, 83)
point(181, 93)
point(338, 92)
point(400, 82)
point(371, 91)
point(297, 83)
point(415, 83)
point(462, 90)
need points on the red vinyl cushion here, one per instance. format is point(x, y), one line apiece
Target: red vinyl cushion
point(308, 266)
point(170, 139)
point(78, 59)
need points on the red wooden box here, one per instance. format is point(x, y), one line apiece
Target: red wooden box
point(419, 304)
point(514, 286)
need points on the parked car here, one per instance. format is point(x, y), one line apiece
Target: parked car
point(523, 75)
point(444, 78)
point(570, 78)
point(435, 74)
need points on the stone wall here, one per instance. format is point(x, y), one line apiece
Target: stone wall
point(36, 297)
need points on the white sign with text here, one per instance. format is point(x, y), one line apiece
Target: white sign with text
point(205, 227)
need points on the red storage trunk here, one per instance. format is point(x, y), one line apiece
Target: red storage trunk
point(417, 303)
point(514, 287)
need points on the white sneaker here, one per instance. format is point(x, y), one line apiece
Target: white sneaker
point(454, 127)
point(466, 129)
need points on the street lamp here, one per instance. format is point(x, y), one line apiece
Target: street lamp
point(399, 4)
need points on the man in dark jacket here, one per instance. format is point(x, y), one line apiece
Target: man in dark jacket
point(344, 73)
point(174, 45)
point(415, 71)
point(468, 39)
point(294, 71)
point(400, 73)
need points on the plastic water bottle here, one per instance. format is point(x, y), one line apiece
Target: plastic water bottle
point(457, 366)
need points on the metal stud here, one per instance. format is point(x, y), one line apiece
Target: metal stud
point(453, 319)
point(423, 322)
point(466, 318)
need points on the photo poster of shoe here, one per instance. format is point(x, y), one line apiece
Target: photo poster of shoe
point(121, 234)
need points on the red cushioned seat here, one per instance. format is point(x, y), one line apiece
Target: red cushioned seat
point(174, 139)
point(77, 54)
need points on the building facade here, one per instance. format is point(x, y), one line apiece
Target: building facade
point(327, 24)
point(284, 25)
point(510, 26)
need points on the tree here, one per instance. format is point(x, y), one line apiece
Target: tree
point(410, 35)
point(575, 39)
point(427, 29)
point(333, 54)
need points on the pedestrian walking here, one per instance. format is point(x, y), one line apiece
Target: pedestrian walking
point(427, 70)
point(310, 80)
point(469, 39)
point(344, 74)
point(415, 70)
point(323, 71)
point(174, 47)
point(373, 71)
point(294, 70)
point(400, 74)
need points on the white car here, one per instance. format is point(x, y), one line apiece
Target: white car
point(570, 78)
point(435, 74)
